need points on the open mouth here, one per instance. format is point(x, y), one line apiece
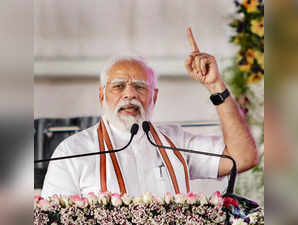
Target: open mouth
point(130, 109)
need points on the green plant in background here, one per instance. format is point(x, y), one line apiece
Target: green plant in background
point(246, 81)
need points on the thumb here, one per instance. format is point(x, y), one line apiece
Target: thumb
point(188, 64)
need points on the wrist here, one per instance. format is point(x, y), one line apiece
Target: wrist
point(217, 87)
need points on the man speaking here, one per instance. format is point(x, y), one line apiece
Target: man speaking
point(128, 94)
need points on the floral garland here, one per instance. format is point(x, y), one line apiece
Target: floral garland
point(249, 65)
point(246, 81)
point(106, 208)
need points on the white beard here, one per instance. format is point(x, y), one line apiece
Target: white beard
point(125, 122)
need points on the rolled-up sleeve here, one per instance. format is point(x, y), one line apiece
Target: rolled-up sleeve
point(203, 166)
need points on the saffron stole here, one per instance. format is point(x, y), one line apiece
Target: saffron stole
point(103, 137)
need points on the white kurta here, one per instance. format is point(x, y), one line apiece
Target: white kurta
point(142, 167)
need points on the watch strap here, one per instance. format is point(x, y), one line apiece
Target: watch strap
point(219, 98)
point(225, 94)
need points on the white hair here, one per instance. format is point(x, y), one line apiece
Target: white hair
point(130, 58)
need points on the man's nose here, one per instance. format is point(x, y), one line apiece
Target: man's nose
point(129, 92)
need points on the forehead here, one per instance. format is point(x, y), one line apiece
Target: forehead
point(129, 70)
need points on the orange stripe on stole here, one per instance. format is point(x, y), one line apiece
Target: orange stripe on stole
point(166, 160)
point(180, 157)
point(114, 160)
point(103, 174)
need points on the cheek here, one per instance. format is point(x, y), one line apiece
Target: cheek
point(112, 100)
point(147, 101)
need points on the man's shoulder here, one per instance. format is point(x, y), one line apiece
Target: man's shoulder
point(170, 129)
point(82, 139)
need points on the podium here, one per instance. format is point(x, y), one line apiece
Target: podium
point(108, 208)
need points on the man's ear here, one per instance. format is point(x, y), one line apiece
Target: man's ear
point(155, 94)
point(101, 95)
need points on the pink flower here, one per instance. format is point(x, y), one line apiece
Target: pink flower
point(44, 204)
point(36, 199)
point(191, 198)
point(116, 200)
point(92, 198)
point(216, 199)
point(79, 201)
point(168, 197)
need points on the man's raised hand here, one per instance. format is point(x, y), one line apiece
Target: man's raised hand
point(202, 66)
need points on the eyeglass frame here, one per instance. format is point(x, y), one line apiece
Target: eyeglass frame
point(129, 82)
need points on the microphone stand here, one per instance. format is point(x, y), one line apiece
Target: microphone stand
point(233, 172)
point(230, 190)
point(134, 129)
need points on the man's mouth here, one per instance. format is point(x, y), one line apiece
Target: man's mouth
point(129, 109)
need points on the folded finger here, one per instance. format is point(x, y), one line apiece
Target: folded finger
point(203, 65)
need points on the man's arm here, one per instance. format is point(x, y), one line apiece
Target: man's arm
point(237, 137)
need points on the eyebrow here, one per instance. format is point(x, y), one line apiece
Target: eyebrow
point(115, 80)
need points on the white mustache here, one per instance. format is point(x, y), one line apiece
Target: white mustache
point(128, 102)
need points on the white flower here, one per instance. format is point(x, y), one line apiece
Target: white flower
point(126, 199)
point(65, 200)
point(180, 198)
point(92, 198)
point(116, 200)
point(168, 197)
point(253, 218)
point(216, 199)
point(147, 197)
point(203, 199)
point(158, 199)
point(55, 200)
point(137, 200)
point(79, 201)
point(239, 222)
point(104, 197)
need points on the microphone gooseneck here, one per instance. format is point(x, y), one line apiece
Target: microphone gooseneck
point(231, 184)
point(134, 130)
point(146, 127)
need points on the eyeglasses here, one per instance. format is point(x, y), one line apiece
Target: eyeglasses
point(118, 87)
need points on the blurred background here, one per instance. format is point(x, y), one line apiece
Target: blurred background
point(49, 69)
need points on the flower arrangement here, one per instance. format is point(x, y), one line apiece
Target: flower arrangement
point(107, 208)
point(246, 80)
point(249, 37)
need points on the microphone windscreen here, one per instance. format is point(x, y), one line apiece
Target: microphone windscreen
point(134, 129)
point(146, 126)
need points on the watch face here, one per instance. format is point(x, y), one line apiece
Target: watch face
point(216, 99)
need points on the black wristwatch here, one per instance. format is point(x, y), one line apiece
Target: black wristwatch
point(219, 98)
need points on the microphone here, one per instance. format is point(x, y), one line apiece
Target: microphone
point(231, 184)
point(134, 130)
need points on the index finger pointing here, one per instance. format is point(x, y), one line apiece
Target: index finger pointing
point(192, 41)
